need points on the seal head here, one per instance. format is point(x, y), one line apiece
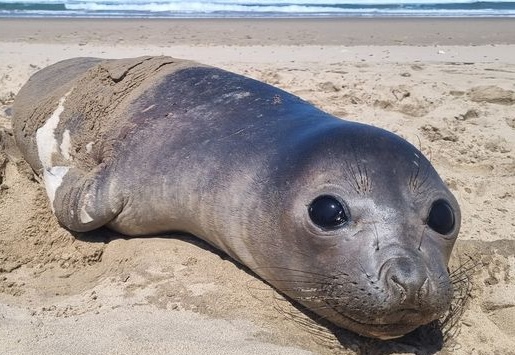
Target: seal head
point(365, 231)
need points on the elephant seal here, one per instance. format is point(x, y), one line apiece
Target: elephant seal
point(347, 219)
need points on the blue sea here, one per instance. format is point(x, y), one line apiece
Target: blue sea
point(254, 8)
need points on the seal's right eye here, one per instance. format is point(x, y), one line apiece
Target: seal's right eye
point(441, 217)
point(327, 212)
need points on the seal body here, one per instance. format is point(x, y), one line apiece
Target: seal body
point(348, 219)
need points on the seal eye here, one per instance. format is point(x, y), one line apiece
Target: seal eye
point(441, 217)
point(327, 212)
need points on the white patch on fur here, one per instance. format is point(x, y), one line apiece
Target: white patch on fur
point(84, 216)
point(45, 136)
point(53, 178)
point(89, 147)
point(241, 95)
point(236, 95)
point(66, 145)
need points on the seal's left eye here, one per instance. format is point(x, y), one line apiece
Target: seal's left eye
point(327, 212)
point(441, 217)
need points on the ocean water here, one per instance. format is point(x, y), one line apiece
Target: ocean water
point(254, 8)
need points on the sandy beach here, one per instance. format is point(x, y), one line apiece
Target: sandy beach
point(445, 85)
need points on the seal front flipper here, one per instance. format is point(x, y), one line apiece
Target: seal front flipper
point(78, 199)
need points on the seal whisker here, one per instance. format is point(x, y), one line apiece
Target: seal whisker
point(363, 270)
point(309, 324)
point(460, 278)
point(362, 181)
point(299, 315)
point(376, 235)
point(426, 175)
point(301, 272)
point(353, 181)
point(306, 287)
point(361, 170)
point(420, 173)
point(314, 286)
point(422, 234)
point(300, 283)
point(415, 172)
point(465, 268)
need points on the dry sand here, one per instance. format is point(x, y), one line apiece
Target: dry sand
point(62, 293)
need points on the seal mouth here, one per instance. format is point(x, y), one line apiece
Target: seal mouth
point(382, 331)
point(394, 325)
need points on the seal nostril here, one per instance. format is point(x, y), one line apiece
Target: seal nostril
point(400, 287)
point(423, 291)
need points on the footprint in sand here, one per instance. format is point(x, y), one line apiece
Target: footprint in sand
point(498, 301)
point(492, 94)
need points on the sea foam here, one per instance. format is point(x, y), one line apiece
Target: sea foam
point(254, 8)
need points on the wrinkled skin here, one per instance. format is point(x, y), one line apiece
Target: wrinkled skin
point(238, 163)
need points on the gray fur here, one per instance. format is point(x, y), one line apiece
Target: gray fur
point(157, 144)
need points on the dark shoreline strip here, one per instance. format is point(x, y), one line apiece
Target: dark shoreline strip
point(249, 32)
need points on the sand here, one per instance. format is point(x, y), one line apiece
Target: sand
point(447, 86)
